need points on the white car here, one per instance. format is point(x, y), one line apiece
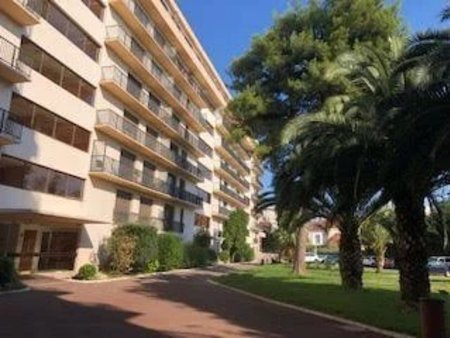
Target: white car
point(312, 257)
point(439, 264)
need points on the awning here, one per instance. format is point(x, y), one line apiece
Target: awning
point(29, 216)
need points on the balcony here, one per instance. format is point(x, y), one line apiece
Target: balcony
point(125, 175)
point(232, 176)
point(12, 69)
point(10, 130)
point(141, 25)
point(128, 133)
point(138, 99)
point(125, 217)
point(229, 155)
point(222, 213)
point(136, 57)
point(231, 196)
point(224, 125)
point(23, 12)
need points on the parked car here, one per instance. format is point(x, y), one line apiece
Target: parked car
point(322, 257)
point(439, 264)
point(369, 261)
point(312, 257)
point(331, 259)
point(389, 263)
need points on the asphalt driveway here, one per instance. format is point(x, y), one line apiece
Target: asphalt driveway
point(174, 305)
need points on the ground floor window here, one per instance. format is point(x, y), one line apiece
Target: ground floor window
point(58, 250)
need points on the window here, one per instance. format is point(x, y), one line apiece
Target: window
point(96, 7)
point(123, 201)
point(122, 207)
point(204, 195)
point(25, 175)
point(40, 61)
point(145, 209)
point(12, 171)
point(201, 221)
point(64, 131)
point(51, 69)
point(70, 29)
point(70, 82)
point(57, 183)
point(44, 121)
point(152, 131)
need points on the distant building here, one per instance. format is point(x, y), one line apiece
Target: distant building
point(320, 233)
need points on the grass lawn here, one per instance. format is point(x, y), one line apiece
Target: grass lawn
point(378, 304)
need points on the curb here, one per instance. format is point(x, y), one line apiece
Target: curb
point(341, 320)
point(132, 277)
point(9, 292)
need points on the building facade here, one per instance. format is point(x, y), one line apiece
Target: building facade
point(111, 113)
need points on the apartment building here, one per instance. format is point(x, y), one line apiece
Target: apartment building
point(111, 113)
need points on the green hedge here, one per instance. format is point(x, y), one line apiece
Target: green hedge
point(8, 274)
point(170, 251)
point(196, 256)
point(87, 272)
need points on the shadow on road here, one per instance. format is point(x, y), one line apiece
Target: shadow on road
point(257, 318)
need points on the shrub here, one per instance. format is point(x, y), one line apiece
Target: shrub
point(202, 239)
point(87, 272)
point(146, 250)
point(170, 252)
point(139, 248)
point(224, 256)
point(121, 248)
point(245, 254)
point(198, 256)
point(152, 266)
point(8, 274)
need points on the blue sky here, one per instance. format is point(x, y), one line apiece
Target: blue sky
point(225, 27)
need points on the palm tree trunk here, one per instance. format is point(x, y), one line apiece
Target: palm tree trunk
point(300, 251)
point(379, 256)
point(412, 254)
point(350, 257)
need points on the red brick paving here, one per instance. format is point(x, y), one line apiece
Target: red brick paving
point(175, 305)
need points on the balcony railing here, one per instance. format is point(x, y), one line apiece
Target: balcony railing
point(232, 152)
point(117, 32)
point(9, 55)
point(109, 118)
point(112, 73)
point(174, 226)
point(105, 164)
point(224, 211)
point(234, 173)
point(35, 6)
point(235, 195)
point(206, 173)
point(161, 41)
point(124, 217)
point(10, 127)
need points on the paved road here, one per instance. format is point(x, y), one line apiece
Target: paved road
point(175, 305)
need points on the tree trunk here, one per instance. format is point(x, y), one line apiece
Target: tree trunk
point(300, 251)
point(379, 257)
point(350, 257)
point(412, 253)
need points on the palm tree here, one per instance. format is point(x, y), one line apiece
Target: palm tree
point(406, 92)
point(331, 172)
point(376, 235)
